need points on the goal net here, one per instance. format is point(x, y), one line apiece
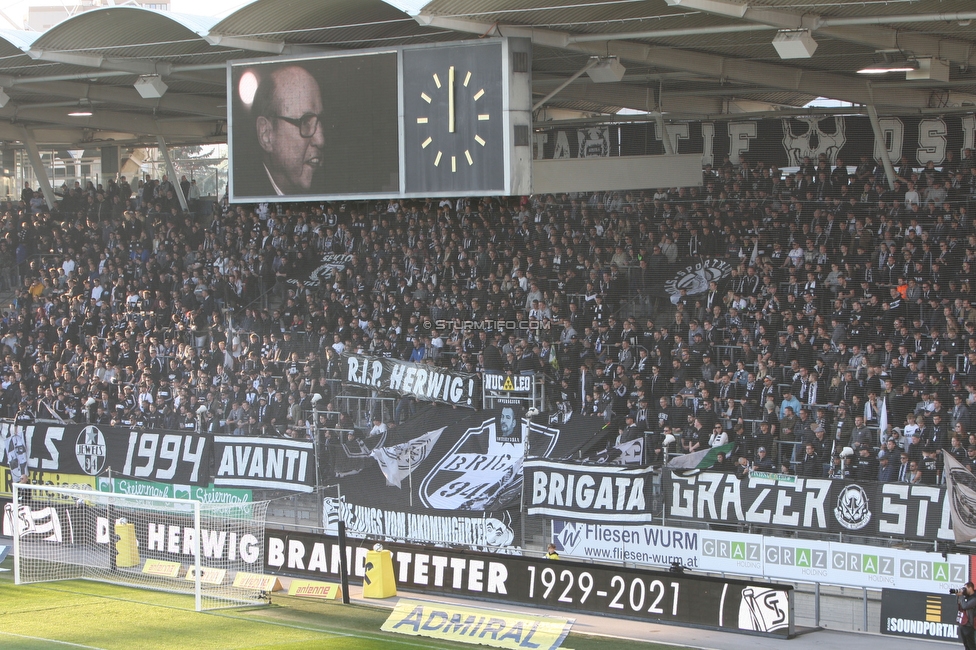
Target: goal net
point(174, 545)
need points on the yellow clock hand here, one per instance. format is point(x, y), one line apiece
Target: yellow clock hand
point(450, 99)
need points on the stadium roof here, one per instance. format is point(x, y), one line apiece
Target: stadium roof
point(686, 58)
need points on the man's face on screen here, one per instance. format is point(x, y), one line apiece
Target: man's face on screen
point(291, 158)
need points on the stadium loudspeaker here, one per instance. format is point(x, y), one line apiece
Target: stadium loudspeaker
point(151, 87)
point(110, 160)
point(794, 45)
point(934, 69)
point(607, 71)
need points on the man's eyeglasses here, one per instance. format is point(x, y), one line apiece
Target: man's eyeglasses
point(306, 124)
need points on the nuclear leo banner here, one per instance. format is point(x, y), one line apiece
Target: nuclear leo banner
point(420, 381)
point(911, 512)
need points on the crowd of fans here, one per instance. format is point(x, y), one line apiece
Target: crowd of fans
point(842, 342)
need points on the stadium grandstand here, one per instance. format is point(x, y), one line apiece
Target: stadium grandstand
point(661, 289)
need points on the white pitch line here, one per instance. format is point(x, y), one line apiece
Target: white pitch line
point(39, 638)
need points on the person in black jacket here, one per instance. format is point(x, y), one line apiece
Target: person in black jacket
point(966, 602)
point(810, 466)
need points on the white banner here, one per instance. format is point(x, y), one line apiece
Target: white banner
point(700, 550)
point(863, 566)
point(779, 558)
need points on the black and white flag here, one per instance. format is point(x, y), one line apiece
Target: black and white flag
point(398, 462)
point(962, 498)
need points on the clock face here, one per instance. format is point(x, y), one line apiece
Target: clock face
point(453, 119)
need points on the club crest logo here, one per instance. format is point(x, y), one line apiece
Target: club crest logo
point(90, 450)
point(852, 511)
point(764, 610)
point(694, 278)
point(482, 471)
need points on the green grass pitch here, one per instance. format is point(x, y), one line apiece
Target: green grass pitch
point(83, 614)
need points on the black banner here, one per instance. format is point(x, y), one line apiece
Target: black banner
point(914, 512)
point(228, 535)
point(784, 142)
point(656, 596)
point(170, 457)
point(329, 265)
point(94, 450)
point(424, 382)
point(264, 463)
point(918, 615)
point(447, 476)
point(588, 492)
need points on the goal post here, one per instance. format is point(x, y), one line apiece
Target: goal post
point(180, 546)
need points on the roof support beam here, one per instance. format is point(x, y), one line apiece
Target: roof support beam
point(783, 77)
point(115, 122)
point(177, 188)
point(670, 33)
point(193, 104)
point(132, 66)
point(638, 98)
point(589, 64)
point(38, 165)
point(257, 44)
point(864, 30)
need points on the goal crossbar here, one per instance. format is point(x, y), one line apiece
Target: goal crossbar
point(82, 533)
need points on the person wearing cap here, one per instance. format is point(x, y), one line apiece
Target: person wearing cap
point(914, 447)
point(630, 431)
point(819, 441)
point(379, 428)
point(886, 471)
point(865, 466)
point(708, 368)
point(763, 461)
point(970, 461)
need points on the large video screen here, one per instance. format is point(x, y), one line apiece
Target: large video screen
point(308, 129)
